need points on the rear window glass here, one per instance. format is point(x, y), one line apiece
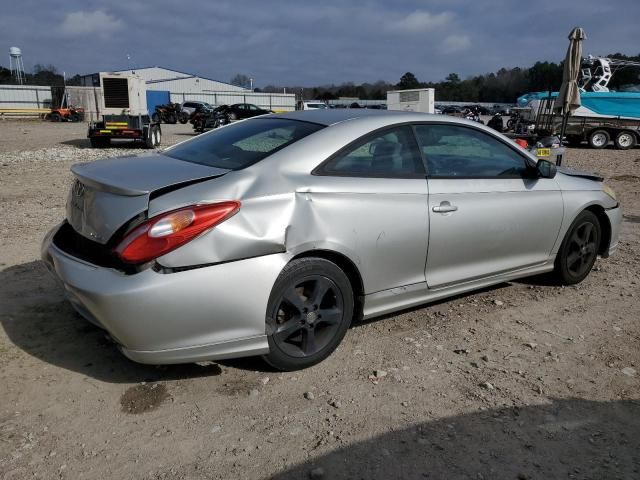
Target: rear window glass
point(240, 145)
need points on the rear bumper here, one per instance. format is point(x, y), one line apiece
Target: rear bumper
point(615, 220)
point(205, 313)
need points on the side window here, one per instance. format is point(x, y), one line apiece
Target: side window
point(392, 153)
point(454, 151)
point(252, 107)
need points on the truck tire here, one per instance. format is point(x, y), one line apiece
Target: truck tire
point(625, 140)
point(599, 139)
point(148, 137)
point(157, 136)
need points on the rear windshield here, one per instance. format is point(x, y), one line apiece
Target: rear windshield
point(237, 146)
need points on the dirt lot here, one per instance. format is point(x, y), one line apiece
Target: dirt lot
point(522, 381)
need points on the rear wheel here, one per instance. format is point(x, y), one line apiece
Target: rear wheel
point(579, 249)
point(157, 136)
point(150, 136)
point(625, 140)
point(183, 117)
point(55, 117)
point(599, 139)
point(309, 312)
point(74, 117)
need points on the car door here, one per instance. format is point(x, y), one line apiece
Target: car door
point(372, 199)
point(487, 213)
point(253, 111)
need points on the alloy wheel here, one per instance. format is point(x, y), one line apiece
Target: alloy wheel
point(308, 316)
point(582, 249)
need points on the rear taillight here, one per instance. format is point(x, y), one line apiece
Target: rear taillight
point(166, 232)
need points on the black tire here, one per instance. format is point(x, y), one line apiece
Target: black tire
point(184, 117)
point(100, 142)
point(625, 140)
point(599, 139)
point(579, 249)
point(511, 123)
point(157, 136)
point(74, 117)
point(310, 309)
point(149, 133)
point(55, 117)
point(172, 118)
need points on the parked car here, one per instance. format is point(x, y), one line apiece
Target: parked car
point(241, 111)
point(271, 236)
point(451, 109)
point(193, 106)
point(311, 105)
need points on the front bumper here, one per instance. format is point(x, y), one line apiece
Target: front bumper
point(615, 220)
point(205, 313)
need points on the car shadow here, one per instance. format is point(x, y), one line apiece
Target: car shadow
point(37, 319)
point(565, 438)
point(83, 143)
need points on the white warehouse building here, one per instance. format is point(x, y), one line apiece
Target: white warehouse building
point(182, 87)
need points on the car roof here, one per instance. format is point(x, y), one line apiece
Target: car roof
point(332, 116)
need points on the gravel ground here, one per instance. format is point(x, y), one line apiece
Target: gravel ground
point(522, 381)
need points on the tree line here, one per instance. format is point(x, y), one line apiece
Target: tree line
point(505, 85)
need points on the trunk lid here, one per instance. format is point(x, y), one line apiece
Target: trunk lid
point(106, 194)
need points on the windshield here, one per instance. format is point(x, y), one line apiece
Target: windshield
point(238, 146)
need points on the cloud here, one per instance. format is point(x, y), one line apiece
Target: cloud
point(421, 21)
point(99, 23)
point(455, 43)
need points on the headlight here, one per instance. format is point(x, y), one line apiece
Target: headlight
point(609, 191)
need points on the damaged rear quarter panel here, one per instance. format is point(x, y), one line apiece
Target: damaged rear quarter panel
point(380, 224)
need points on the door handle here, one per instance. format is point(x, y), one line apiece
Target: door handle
point(444, 207)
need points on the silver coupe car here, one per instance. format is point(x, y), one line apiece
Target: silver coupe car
point(272, 235)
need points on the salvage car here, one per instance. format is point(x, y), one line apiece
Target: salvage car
point(270, 236)
point(239, 111)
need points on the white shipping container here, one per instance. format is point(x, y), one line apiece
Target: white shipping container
point(415, 100)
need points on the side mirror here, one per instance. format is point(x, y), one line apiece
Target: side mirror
point(546, 169)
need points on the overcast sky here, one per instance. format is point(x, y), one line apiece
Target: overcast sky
point(316, 42)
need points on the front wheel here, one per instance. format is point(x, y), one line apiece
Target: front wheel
point(579, 249)
point(309, 312)
point(599, 139)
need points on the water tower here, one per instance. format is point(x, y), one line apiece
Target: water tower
point(15, 64)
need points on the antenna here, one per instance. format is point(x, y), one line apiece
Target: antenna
point(16, 65)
